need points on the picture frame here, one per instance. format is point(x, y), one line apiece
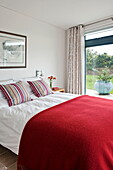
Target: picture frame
point(13, 50)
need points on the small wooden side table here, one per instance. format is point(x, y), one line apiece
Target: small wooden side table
point(58, 89)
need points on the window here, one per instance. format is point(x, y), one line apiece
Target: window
point(99, 55)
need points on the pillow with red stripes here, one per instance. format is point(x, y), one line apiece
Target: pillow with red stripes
point(40, 88)
point(15, 93)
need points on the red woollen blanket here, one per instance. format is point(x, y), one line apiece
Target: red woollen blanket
point(74, 135)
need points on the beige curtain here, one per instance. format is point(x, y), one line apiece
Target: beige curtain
point(75, 60)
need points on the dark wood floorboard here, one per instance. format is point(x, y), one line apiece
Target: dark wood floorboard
point(8, 160)
point(13, 167)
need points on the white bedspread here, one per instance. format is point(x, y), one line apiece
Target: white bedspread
point(13, 119)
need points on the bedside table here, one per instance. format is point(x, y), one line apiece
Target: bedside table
point(58, 89)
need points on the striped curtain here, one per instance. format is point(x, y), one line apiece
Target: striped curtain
point(75, 60)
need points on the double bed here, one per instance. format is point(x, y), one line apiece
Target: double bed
point(59, 131)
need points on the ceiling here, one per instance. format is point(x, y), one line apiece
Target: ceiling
point(62, 13)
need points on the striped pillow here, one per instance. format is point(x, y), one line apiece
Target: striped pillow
point(15, 93)
point(40, 88)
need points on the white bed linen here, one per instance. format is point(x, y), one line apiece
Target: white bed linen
point(13, 119)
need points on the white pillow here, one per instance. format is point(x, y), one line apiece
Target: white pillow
point(6, 81)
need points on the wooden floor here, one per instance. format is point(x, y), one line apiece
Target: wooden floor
point(8, 160)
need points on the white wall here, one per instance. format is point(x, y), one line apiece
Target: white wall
point(45, 48)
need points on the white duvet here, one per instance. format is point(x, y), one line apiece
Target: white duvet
point(13, 119)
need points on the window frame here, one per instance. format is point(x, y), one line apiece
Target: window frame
point(99, 41)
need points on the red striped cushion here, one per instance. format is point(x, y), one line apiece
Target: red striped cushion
point(15, 93)
point(40, 88)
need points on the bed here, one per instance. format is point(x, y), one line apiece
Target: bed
point(59, 131)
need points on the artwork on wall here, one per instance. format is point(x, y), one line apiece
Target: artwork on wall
point(13, 49)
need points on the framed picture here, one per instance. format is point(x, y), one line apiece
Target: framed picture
point(13, 50)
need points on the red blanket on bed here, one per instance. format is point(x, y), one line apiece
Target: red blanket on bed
point(75, 135)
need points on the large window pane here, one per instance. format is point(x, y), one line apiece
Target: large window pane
point(97, 58)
